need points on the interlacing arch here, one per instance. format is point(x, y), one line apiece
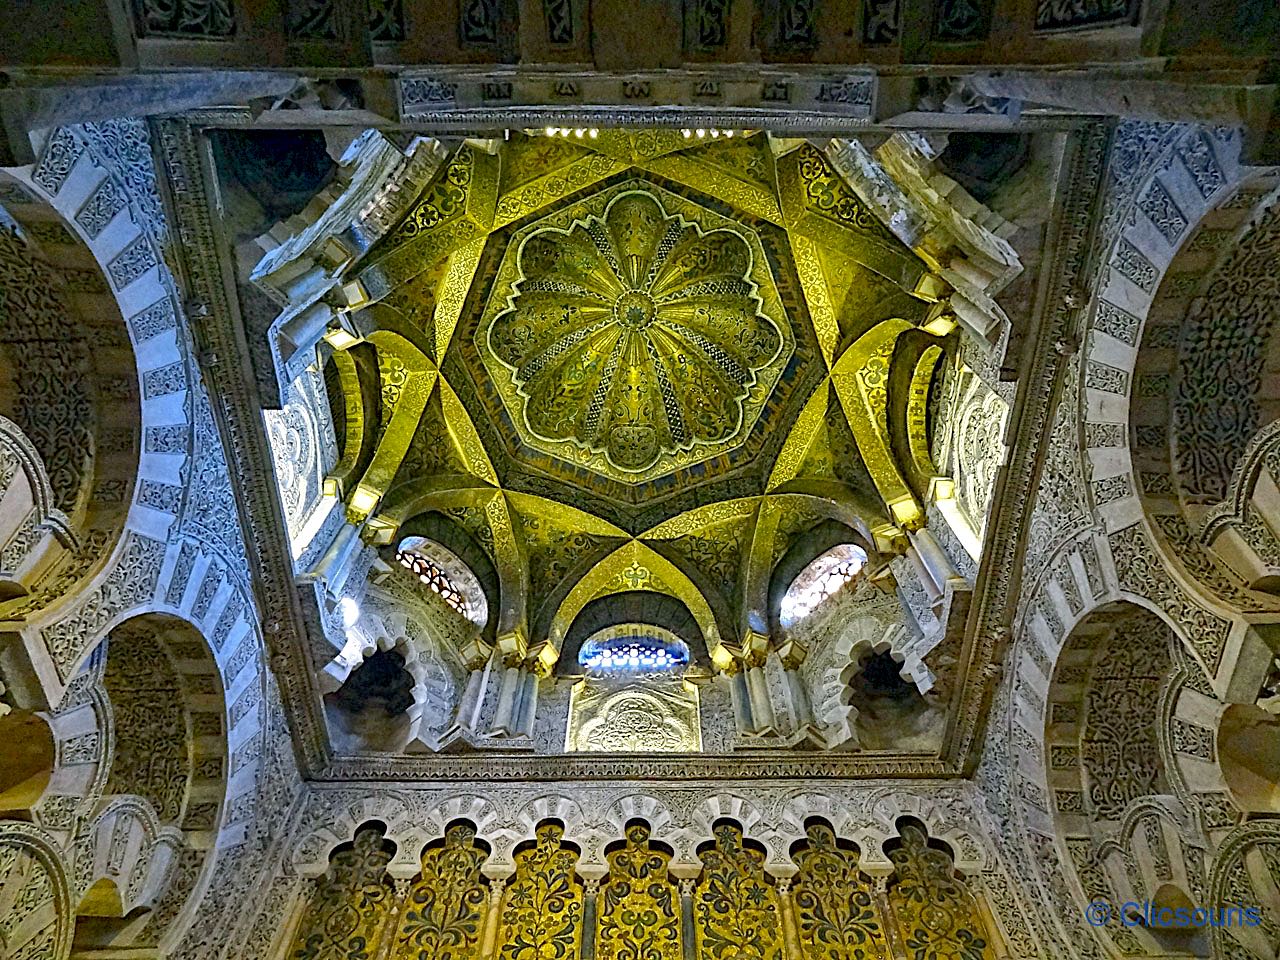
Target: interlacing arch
point(144, 838)
point(1203, 420)
point(1160, 444)
point(1245, 871)
point(1116, 785)
point(567, 498)
point(82, 513)
point(133, 779)
point(35, 895)
point(1177, 194)
point(70, 418)
point(136, 731)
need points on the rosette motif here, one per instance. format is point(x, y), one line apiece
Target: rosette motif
point(635, 335)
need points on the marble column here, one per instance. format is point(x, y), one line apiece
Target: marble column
point(790, 936)
point(504, 717)
point(492, 915)
point(527, 701)
point(932, 563)
point(740, 697)
point(762, 716)
point(792, 655)
point(686, 918)
point(590, 894)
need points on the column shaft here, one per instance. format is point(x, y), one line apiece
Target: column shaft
point(492, 914)
point(469, 705)
point(590, 894)
point(799, 697)
point(505, 716)
point(931, 586)
point(940, 567)
point(761, 705)
point(790, 934)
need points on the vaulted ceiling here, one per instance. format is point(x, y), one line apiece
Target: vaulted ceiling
point(621, 360)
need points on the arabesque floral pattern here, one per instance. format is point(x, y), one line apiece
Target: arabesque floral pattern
point(639, 904)
point(835, 905)
point(542, 906)
point(636, 335)
point(444, 914)
point(736, 909)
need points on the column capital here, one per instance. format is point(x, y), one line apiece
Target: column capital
point(754, 643)
point(792, 653)
point(476, 653)
point(542, 658)
point(513, 646)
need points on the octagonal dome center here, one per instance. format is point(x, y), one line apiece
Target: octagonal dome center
point(635, 338)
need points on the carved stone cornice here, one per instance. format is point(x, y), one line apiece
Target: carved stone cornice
point(640, 766)
point(207, 276)
point(1061, 300)
point(205, 273)
point(454, 120)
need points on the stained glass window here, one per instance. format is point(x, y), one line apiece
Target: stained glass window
point(822, 578)
point(445, 574)
point(633, 648)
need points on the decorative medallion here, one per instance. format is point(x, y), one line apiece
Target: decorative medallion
point(635, 333)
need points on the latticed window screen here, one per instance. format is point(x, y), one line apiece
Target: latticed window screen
point(822, 578)
point(430, 573)
point(447, 575)
point(638, 650)
point(634, 696)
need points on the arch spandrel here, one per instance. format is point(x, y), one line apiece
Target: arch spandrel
point(627, 891)
point(633, 566)
point(334, 925)
point(835, 903)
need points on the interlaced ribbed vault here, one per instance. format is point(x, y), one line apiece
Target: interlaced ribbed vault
point(637, 361)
